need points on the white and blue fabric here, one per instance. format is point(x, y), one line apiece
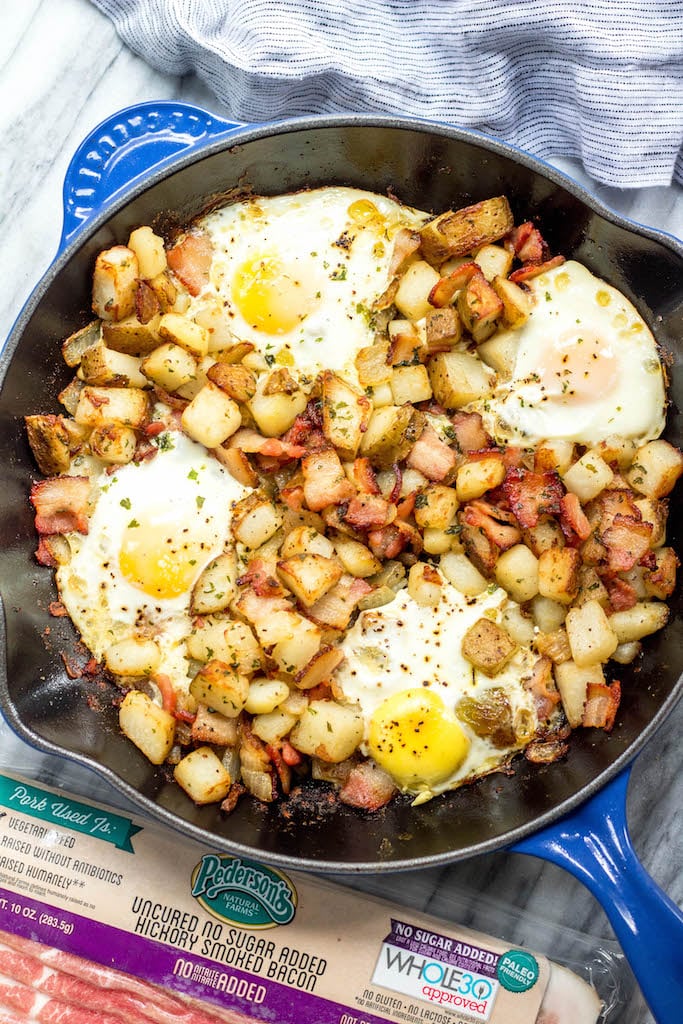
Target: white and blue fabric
point(599, 80)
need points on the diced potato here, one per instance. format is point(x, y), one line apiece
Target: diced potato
point(319, 668)
point(306, 540)
point(660, 582)
point(627, 652)
point(133, 657)
point(229, 640)
point(438, 542)
point(273, 726)
point(644, 618)
point(516, 302)
point(435, 507)
point(591, 587)
point(478, 476)
point(460, 232)
point(165, 291)
point(544, 535)
point(102, 365)
point(114, 282)
point(656, 468)
point(572, 682)
point(518, 626)
point(345, 414)
point(500, 352)
point(147, 725)
point(410, 384)
point(131, 336)
point(301, 643)
point(76, 344)
point(443, 328)
point(517, 571)
point(381, 395)
point(557, 454)
point(356, 558)
point(217, 585)
point(99, 407)
point(479, 308)
point(184, 332)
point(548, 614)
point(221, 687)
point(391, 433)
point(558, 574)
point(464, 576)
point(150, 251)
point(373, 366)
point(407, 342)
point(621, 450)
point(236, 380)
point(255, 520)
point(237, 464)
point(328, 730)
point(265, 695)
point(211, 417)
point(654, 512)
point(50, 443)
point(494, 260)
point(275, 413)
point(170, 366)
point(309, 576)
point(588, 476)
point(113, 444)
point(425, 585)
point(203, 776)
point(458, 378)
point(487, 646)
point(412, 297)
point(591, 636)
point(70, 395)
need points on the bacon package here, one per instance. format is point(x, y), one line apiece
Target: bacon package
point(105, 919)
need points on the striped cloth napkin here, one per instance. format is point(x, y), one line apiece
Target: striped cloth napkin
point(598, 80)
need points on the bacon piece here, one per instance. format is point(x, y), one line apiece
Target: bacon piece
point(252, 442)
point(528, 243)
point(234, 793)
point(534, 269)
point(293, 496)
point(190, 260)
point(282, 769)
point(405, 508)
point(337, 606)
point(290, 756)
point(573, 519)
point(499, 526)
point(545, 752)
point(470, 435)
point(602, 703)
point(432, 456)
point(261, 580)
point(57, 610)
point(626, 540)
point(369, 512)
point(533, 496)
point(155, 428)
point(368, 786)
point(514, 457)
point(60, 503)
point(621, 594)
point(146, 302)
point(364, 476)
point(445, 288)
point(44, 552)
point(541, 685)
point(325, 482)
point(406, 243)
point(167, 691)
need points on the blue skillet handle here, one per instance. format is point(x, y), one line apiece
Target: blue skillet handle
point(593, 844)
point(126, 146)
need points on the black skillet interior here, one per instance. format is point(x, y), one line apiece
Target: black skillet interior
point(431, 168)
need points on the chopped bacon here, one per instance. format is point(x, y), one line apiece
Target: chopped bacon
point(573, 519)
point(542, 687)
point(252, 442)
point(284, 772)
point(602, 702)
point(368, 786)
point(325, 482)
point(406, 243)
point(261, 580)
point(432, 456)
point(499, 526)
point(57, 610)
point(364, 476)
point(369, 512)
point(167, 691)
point(470, 435)
point(321, 691)
point(337, 606)
point(174, 402)
point(513, 457)
point(621, 594)
point(528, 243)
point(307, 425)
point(290, 756)
point(181, 715)
point(404, 509)
point(44, 553)
point(60, 503)
point(533, 496)
point(445, 288)
point(534, 269)
point(626, 540)
point(155, 428)
point(387, 542)
point(398, 483)
point(546, 752)
point(190, 260)
point(257, 609)
point(144, 451)
point(72, 669)
point(146, 302)
point(293, 496)
point(234, 793)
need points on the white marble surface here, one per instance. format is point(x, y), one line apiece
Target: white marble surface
point(62, 70)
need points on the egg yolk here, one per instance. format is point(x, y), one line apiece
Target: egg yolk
point(274, 296)
point(416, 739)
point(159, 564)
point(577, 369)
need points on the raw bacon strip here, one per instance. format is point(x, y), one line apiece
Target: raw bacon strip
point(60, 503)
point(533, 496)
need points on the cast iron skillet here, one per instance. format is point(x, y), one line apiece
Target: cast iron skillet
point(168, 159)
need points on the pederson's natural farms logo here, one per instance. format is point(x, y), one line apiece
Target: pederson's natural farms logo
point(243, 892)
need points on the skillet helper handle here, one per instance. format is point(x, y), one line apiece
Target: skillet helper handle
point(594, 845)
point(126, 146)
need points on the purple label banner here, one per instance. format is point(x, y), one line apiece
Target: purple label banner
point(447, 950)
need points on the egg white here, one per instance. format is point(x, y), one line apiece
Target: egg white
point(297, 275)
point(586, 367)
point(404, 645)
point(155, 524)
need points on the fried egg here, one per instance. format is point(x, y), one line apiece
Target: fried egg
point(297, 275)
point(431, 720)
point(586, 367)
point(155, 527)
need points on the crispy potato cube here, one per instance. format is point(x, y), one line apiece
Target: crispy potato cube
point(410, 384)
point(309, 576)
point(656, 468)
point(70, 395)
point(301, 642)
point(217, 585)
point(170, 366)
point(328, 730)
point(255, 519)
point(76, 344)
point(114, 444)
point(591, 637)
point(203, 776)
point(487, 646)
point(495, 261)
point(50, 443)
point(304, 540)
point(438, 542)
point(114, 283)
point(425, 585)
point(621, 450)
point(275, 413)
point(660, 582)
point(229, 640)
point(265, 695)
point(373, 366)
point(478, 476)
point(461, 232)
point(548, 614)
point(515, 301)
point(479, 308)
point(443, 329)
point(102, 365)
point(464, 576)
point(150, 251)
point(558, 574)
point(131, 336)
point(147, 725)
point(237, 464)
point(572, 682)
point(458, 378)
point(356, 558)
point(588, 476)
point(345, 414)
point(435, 507)
point(518, 625)
point(211, 417)
point(210, 727)
point(273, 726)
point(236, 380)
point(221, 687)
point(412, 297)
point(134, 656)
point(557, 455)
point(500, 352)
point(181, 331)
point(165, 291)
point(591, 587)
point(391, 433)
point(99, 407)
point(517, 571)
point(544, 535)
point(407, 343)
point(644, 618)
